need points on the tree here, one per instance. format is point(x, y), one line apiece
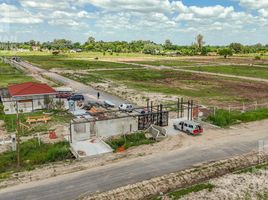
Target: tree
point(152, 49)
point(200, 41)
point(225, 52)
point(91, 40)
point(168, 44)
point(237, 47)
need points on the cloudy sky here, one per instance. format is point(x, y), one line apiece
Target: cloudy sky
point(220, 21)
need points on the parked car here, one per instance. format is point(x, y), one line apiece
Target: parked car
point(126, 107)
point(188, 126)
point(108, 104)
point(76, 97)
point(64, 92)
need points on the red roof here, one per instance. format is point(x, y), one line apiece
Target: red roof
point(29, 88)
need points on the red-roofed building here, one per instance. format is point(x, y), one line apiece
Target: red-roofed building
point(30, 89)
point(27, 97)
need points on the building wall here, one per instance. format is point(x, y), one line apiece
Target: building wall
point(105, 128)
point(26, 107)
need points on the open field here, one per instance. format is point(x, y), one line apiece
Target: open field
point(65, 62)
point(167, 62)
point(250, 71)
point(10, 75)
point(210, 90)
point(85, 55)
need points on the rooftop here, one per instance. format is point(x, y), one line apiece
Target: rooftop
point(30, 88)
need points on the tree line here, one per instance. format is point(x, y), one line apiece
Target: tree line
point(198, 47)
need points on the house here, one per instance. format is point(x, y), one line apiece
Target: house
point(27, 97)
point(36, 48)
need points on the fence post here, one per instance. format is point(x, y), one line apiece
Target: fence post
point(256, 105)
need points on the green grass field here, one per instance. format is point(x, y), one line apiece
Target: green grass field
point(258, 72)
point(208, 89)
point(65, 62)
point(169, 62)
point(10, 75)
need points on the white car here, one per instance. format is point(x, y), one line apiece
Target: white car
point(188, 126)
point(126, 107)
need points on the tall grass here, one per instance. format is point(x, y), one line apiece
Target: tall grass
point(33, 155)
point(129, 140)
point(224, 118)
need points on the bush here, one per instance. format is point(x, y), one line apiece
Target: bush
point(258, 57)
point(130, 140)
point(33, 155)
point(224, 118)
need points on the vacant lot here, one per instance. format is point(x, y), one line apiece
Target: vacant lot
point(10, 75)
point(65, 62)
point(209, 90)
point(170, 62)
point(258, 72)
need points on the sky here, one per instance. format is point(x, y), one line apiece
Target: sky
point(220, 21)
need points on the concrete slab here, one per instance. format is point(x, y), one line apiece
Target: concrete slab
point(92, 147)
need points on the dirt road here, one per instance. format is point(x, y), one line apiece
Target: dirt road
point(195, 72)
point(89, 92)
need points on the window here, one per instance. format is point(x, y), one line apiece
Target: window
point(191, 126)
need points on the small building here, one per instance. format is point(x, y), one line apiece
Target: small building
point(27, 97)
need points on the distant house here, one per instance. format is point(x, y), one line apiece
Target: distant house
point(75, 50)
point(27, 97)
point(36, 48)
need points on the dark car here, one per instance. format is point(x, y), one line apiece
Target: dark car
point(76, 97)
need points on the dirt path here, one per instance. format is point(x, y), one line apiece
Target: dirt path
point(196, 72)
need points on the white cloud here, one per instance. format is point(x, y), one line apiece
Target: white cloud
point(254, 4)
point(11, 14)
point(131, 5)
point(45, 5)
point(263, 12)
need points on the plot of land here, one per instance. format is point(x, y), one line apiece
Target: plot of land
point(63, 61)
point(210, 90)
point(258, 72)
point(10, 75)
point(169, 62)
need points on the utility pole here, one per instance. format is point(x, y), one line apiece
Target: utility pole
point(18, 135)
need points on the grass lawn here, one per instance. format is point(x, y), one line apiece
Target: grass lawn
point(57, 117)
point(223, 118)
point(134, 139)
point(258, 72)
point(10, 75)
point(33, 155)
point(210, 90)
point(170, 62)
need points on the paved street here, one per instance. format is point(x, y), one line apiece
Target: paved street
point(70, 186)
